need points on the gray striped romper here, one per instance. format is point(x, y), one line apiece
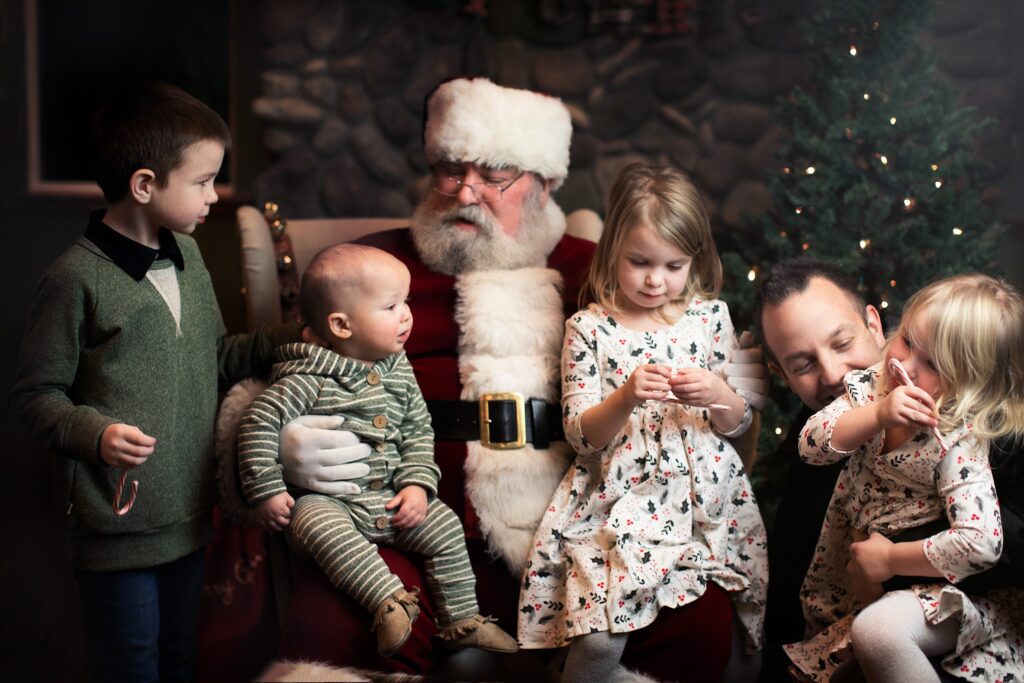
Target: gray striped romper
point(383, 406)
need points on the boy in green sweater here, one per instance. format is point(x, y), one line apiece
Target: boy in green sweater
point(122, 360)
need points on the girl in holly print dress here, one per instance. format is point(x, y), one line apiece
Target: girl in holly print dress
point(918, 443)
point(656, 506)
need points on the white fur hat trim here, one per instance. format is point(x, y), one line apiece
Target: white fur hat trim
point(474, 120)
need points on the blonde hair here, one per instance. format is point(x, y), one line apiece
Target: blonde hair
point(974, 333)
point(665, 199)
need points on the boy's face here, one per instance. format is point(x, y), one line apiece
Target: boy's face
point(183, 199)
point(378, 315)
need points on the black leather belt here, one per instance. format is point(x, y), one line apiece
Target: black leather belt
point(500, 421)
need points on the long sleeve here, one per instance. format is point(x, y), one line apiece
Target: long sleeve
point(974, 540)
point(42, 396)
point(722, 343)
point(259, 466)
point(251, 354)
point(417, 464)
point(581, 381)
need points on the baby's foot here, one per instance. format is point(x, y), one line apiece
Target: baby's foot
point(393, 620)
point(478, 631)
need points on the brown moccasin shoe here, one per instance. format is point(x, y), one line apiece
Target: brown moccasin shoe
point(393, 620)
point(478, 631)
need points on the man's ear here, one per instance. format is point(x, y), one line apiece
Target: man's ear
point(545, 191)
point(141, 184)
point(339, 326)
point(874, 324)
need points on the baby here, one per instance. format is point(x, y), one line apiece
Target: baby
point(354, 298)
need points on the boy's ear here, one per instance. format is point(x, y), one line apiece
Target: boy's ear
point(141, 184)
point(339, 326)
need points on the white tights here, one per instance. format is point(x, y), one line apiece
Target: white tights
point(892, 641)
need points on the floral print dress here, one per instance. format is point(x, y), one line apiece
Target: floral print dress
point(907, 487)
point(666, 507)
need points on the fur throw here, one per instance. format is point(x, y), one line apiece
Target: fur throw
point(288, 670)
point(510, 337)
point(229, 490)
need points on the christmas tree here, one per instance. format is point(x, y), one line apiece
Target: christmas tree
point(877, 175)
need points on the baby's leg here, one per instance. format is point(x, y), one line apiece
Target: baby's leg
point(440, 538)
point(324, 528)
point(893, 641)
point(594, 657)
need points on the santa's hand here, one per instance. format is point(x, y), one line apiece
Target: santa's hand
point(746, 372)
point(318, 457)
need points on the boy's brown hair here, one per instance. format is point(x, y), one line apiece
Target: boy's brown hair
point(150, 126)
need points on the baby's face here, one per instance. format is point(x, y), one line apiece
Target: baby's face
point(379, 314)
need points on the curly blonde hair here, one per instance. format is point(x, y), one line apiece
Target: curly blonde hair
point(972, 326)
point(665, 199)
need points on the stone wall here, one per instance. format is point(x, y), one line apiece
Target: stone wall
point(343, 84)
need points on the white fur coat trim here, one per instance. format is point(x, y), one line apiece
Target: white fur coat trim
point(472, 119)
point(511, 328)
point(225, 433)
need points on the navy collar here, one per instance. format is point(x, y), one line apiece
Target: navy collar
point(130, 256)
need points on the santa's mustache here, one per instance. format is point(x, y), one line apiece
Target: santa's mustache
point(470, 214)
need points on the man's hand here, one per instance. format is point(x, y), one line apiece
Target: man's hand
point(411, 502)
point(275, 513)
point(318, 457)
point(747, 373)
point(124, 447)
point(869, 566)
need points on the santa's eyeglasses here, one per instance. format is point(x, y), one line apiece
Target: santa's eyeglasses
point(449, 181)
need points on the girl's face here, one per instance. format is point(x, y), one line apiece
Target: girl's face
point(916, 359)
point(650, 271)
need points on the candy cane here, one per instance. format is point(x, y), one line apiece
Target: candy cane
point(900, 373)
point(123, 510)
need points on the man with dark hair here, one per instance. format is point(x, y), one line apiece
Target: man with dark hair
point(815, 328)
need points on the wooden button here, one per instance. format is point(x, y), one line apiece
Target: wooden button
point(381, 447)
point(373, 379)
point(376, 484)
point(381, 522)
point(380, 421)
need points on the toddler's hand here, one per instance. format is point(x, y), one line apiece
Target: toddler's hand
point(275, 513)
point(124, 447)
point(411, 502)
point(699, 387)
point(907, 406)
point(647, 382)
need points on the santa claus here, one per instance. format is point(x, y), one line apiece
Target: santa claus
point(494, 277)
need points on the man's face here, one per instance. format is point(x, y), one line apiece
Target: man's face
point(465, 232)
point(819, 335)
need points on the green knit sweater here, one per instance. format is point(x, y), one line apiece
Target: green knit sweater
point(101, 347)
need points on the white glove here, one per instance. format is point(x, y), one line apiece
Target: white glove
point(746, 372)
point(318, 457)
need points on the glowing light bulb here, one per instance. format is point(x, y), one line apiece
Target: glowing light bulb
point(805, 246)
point(885, 304)
point(892, 120)
point(778, 430)
point(865, 243)
point(809, 170)
point(853, 50)
point(751, 275)
point(938, 184)
point(935, 167)
point(798, 209)
point(958, 231)
point(892, 283)
point(884, 159)
point(867, 97)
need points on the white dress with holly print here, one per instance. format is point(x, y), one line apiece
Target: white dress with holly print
point(905, 488)
point(647, 521)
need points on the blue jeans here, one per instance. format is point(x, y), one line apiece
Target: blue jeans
point(141, 624)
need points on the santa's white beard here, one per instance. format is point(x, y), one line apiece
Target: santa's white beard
point(446, 248)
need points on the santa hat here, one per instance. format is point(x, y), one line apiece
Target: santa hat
point(474, 120)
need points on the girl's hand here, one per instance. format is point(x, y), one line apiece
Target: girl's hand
point(275, 513)
point(411, 502)
point(647, 382)
point(907, 406)
point(124, 447)
point(699, 387)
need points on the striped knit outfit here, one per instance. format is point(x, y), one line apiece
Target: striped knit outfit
point(383, 406)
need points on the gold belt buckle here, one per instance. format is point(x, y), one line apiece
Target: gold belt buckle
point(485, 420)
